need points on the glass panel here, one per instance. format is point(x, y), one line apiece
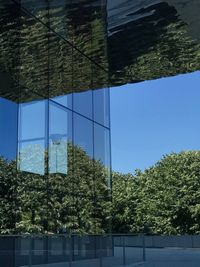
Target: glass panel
point(9, 50)
point(9, 75)
point(34, 49)
point(82, 83)
point(60, 128)
point(8, 176)
point(32, 120)
point(100, 77)
point(37, 7)
point(60, 78)
point(88, 32)
point(102, 155)
point(82, 72)
point(32, 156)
point(32, 143)
point(101, 106)
point(8, 129)
point(83, 103)
point(83, 175)
point(83, 135)
point(60, 20)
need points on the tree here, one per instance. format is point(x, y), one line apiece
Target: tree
point(164, 199)
point(169, 195)
point(124, 202)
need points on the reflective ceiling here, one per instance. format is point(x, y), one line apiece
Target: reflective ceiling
point(61, 46)
point(149, 39)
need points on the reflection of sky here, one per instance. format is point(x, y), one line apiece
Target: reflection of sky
point(36, 123)
point(150, 119)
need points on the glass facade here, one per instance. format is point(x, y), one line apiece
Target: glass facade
point(55, 162)
point(57, 62)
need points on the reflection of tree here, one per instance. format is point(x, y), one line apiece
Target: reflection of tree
point(77, 201)
point(39, 60)
point(9, 210)
point(173, 52)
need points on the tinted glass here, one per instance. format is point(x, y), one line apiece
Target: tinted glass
point(101, 106)
point(102, 153)
point(83, 103)
point(60, 68)
point(8, 129)
point(83, 174)
point(32, 131)
point(37, 7)
point(83, 135)
point(34, 51)
point(60, 128)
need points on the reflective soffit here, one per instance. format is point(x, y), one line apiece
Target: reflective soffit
point(89, 44)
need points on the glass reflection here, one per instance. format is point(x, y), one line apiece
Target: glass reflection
point(8, 129)
point(32, 131)
point(60, 71)
point(82, 103)
point(102, 154)
point(47, 93)
point(34, 55)
point(101, 106)
point(60, 128)
point(83, 134)
point(88, 33)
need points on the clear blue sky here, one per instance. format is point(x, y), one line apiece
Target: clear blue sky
point(154, 118)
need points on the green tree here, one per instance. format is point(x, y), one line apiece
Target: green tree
point(124, 201)
point(169, 195)
point(164, 199)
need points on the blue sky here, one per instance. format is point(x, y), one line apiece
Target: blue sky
point(154, 118)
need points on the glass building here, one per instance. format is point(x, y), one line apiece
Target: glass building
point(55, 164)
point(58, 59)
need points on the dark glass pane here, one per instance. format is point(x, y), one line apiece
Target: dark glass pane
point(60, 129)
point(60, 20)
point(102, 106)
point(9, 50)
point(34, 61)
point(8, 129)
point(82, 83)
point(82, 72)
point(152, 39)
point(60, 71)
point(82, 23)
point(100, 77)
point(39, 8)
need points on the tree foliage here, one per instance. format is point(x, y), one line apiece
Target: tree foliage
point(164, 199)
point(77, 201)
